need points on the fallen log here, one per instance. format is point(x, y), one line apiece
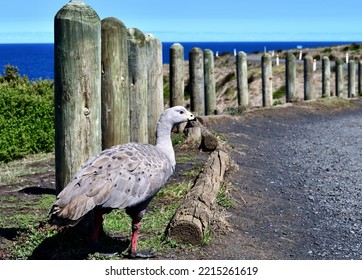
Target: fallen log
point(193, 217)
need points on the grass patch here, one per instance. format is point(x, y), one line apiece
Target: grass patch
point(193, 173)
point(178, 139)
point(235, 111)
point(156, 219)
point(279, 93)
point(15, 171)
point(223, 197)
point(185, 158)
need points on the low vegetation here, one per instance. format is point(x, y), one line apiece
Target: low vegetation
point(26, 115)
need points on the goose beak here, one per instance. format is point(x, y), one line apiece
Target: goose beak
point(190, 116)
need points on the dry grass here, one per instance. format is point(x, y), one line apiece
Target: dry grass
point(16, 171)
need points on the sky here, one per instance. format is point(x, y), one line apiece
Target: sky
point(31, 21)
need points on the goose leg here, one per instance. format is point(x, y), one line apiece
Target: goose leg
point(133, 252)
point(98, 221)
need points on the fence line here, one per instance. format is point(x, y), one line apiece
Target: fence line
point(310, 66)
point(108, 86)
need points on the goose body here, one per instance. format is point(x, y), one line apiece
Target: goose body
point(124, 176)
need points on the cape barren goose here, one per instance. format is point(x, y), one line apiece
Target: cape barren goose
point(124, 176)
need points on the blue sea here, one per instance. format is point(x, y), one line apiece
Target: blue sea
point(36, 60)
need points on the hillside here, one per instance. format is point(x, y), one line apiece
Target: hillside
point(225, 75)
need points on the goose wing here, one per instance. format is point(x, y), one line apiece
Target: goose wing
point(118, 177)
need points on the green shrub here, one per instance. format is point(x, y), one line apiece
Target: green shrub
point(26, 115)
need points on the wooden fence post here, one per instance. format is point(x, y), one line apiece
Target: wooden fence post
point(242, 79)
point(351, 78)
point(155, 85)
point(290, 77)
point(115, 88)
point(196, 64)
point(77, 82)
point(308, 78)
point(360, 78)
point(177, 83)
point(267, 80)
point(137, 64)
point(210, 92)
point(326, 77)
point(339, 78)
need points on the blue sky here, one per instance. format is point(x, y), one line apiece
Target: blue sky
point(29, 21)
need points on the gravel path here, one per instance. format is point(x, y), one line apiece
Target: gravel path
point(301, 179)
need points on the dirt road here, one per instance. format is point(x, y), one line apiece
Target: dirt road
point(298, 185)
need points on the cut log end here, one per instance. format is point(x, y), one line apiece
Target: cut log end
point(186, 231)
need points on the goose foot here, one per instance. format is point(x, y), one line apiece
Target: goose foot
point(143, 254)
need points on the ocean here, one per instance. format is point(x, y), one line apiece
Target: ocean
point(36, 60)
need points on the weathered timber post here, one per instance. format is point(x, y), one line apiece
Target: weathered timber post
point(177, 82)
point(308, 78)
point(115, 87)
point(339, 78)
point(137, 68)
point(210, 91)
point(267, 79)
point(77, 82)
point(360, 78)
point(326, 77)
point(242, 79)
point(290, 77)
point(351, 78)
point(155, 85)
point(196, 64)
